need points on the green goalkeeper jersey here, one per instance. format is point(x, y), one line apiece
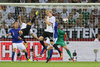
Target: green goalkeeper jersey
point(60, 34)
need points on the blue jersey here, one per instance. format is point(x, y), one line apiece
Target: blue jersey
point(55, 29)
point(15, 35)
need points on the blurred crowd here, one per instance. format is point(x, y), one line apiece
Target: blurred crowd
point(77, 17)
point(50, 1)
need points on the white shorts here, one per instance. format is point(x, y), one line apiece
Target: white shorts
point(20, 46)
point(55, 39)
point(48, 40)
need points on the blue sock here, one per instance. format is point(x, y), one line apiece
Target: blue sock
point(42, 51)
point(13, 54)
point(26, 55)
point(51, 52)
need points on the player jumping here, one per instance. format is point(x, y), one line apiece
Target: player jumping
point(26, 28)
point(48, 33)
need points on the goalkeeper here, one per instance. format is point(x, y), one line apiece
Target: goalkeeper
point(60, 41)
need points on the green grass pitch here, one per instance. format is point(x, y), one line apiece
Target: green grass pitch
point(50, 64)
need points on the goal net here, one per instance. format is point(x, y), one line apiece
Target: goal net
point(81, 22)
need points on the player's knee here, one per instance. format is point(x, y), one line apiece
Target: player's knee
point(52, 42)
point(65, 48)
point(14, 49)
point(24, 50)
point(51, 47)
point(41, 38)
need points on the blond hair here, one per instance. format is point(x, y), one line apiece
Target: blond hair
point(49, 11)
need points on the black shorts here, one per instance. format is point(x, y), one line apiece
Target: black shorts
point(49, 35)
point(26, 30)
point(98, 30)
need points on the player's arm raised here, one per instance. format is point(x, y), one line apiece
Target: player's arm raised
point(19, 18)
point(49, 23)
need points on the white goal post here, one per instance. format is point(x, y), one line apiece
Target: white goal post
point(50, 4)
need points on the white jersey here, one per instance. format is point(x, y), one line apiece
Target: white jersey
point(50, 28)
point(23, 25)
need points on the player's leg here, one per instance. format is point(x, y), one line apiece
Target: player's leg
point(60, 52)
point(24, 40)
point(33, 19)
point(14, 50)
point(50, 52)
point(26, 54)
point(42, 42)
point(68, 51)
point(22, 48)
point(49, 43)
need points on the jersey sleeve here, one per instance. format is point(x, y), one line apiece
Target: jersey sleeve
point(52, 20)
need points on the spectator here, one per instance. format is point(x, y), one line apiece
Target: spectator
point(98, 23)
point(65, 13)
point(92, 21)
point(85, 14)
point(43, 1)
point(54, 11)
point(79, 23)
point(59, 17)
point(10, 1)
point(11, 9)
point(76, 1)
point(4, 12)
point(1, 19)
point(60, 1)
point(10, 20)
point(76, 14)
point(71, 20)
point(29, 1)
point(95, 14)
point(54, 1)
point(84, 1)
point(4, 30)
point(79, 10)
point(36, 24)
point(4, 1)
point(41, 21)
point(94, 1)
point(23, 11)
point(81, 20)
point(65, 1)
point(22, 1)
point(69, 1)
